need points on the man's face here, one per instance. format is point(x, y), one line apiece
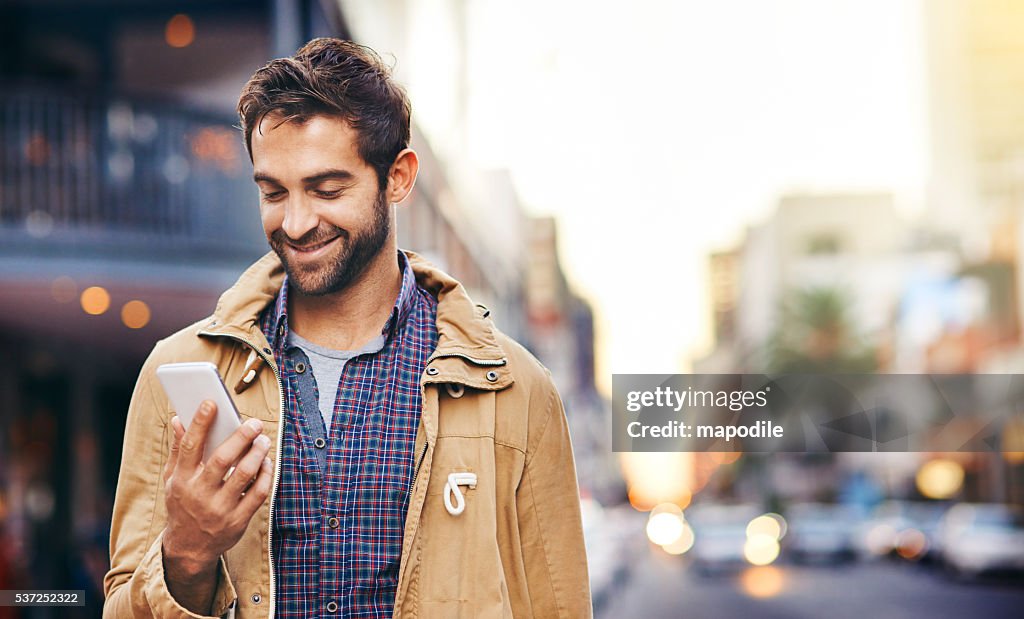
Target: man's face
point(321, 208)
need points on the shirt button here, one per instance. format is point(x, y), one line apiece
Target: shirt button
point(319, 443)
point(300, 367)
point(280, 330)
point(492, 376)
point(332, 606)
point(333, 522)
point(256, 598)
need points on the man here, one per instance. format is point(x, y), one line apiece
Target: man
point(400, 456)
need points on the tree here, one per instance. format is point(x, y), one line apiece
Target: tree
point(814, 335)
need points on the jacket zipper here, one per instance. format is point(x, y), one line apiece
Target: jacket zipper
point(416, 472)
point(277, 463)
point(486, 362)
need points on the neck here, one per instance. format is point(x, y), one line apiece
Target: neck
point(350, 318)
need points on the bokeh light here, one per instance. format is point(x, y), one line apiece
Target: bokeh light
point(762, 582)
point(683, 543)
point(95, 300)
point(911, 544)
point(1013, 441)
point(180, 31)
point(881, 539)
point(761, 549)
point(654, 478)
point(772, 525)
point(940, 478)
point(135, 314)
point(664, 528)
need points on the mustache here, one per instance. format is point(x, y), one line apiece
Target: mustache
point(313, 237)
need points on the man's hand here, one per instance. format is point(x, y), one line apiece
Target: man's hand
point(206, 513)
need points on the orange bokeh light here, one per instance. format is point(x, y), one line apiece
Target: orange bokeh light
point(95, 300)
point(180, 31)
point(135, 314)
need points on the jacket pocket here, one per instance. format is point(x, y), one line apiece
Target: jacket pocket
point(462, 574)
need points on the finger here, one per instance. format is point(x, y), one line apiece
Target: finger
point(258, 492)
point(172, 459)
point(229, 452)
point(247, 468)
point(190, 451)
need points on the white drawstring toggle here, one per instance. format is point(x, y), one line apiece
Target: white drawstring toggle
point(452, 488)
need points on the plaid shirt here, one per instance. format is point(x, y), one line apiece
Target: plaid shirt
point(338, 530)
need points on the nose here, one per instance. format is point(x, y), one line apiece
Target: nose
point(299, 218)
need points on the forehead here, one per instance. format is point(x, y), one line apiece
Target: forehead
point(299, 146)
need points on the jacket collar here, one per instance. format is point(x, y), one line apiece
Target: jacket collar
point(467, 350)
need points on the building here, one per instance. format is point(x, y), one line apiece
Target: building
point(851, 242)
point(561, 325)
point(976, 125)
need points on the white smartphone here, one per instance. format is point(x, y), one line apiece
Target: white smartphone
point(187, 385)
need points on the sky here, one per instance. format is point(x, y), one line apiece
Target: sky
point(657, 131)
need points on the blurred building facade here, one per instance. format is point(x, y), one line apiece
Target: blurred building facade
point(562, 331)
point(853, 243)
point(899, 298)
point(976, 82)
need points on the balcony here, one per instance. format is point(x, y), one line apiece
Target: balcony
point(148, 201)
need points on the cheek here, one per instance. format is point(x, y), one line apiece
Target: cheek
point(272, 217)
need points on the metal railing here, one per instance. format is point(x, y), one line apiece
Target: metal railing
point(86, 169)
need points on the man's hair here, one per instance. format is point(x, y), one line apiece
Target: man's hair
point(337, 78)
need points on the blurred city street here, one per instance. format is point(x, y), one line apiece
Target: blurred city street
point(670, 187)
point(662, 586)
point(654, 584)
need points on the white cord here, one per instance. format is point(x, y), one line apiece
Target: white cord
point(452, 488)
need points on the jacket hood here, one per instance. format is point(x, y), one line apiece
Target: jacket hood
point(463, 328)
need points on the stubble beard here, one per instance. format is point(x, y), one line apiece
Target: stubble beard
point(353, 254)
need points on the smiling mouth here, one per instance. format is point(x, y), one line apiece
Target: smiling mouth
point(311, 248)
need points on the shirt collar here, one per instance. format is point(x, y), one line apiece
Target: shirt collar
point(403, 305)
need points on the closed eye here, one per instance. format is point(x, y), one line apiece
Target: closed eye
point(327, 195)
point(273, 196)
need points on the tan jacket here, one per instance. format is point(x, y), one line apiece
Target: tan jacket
point(489, 408)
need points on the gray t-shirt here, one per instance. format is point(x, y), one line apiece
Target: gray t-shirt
point(326, 365)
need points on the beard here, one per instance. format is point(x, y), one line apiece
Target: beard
point(352, 254)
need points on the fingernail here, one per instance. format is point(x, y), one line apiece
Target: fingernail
point(255, 425)
point(267, 464)
point(263, 441)
point(206, 408)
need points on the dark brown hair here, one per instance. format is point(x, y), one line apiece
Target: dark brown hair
point(336, 78)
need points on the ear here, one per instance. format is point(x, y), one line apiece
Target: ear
point(402, 175)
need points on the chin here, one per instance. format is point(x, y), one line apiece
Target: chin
point(318, 280)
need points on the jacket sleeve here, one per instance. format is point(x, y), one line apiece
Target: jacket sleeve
point(550, 526)
point(135, 585)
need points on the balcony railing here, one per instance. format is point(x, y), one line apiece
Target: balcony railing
point(85, 171)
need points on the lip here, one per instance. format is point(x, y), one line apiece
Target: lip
point(312, 250)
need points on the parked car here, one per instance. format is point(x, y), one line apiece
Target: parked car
point(820, 533)
point(720, 533)
point(979, 538)
point(904, 529)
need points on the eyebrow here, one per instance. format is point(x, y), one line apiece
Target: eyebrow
point(319, 177)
